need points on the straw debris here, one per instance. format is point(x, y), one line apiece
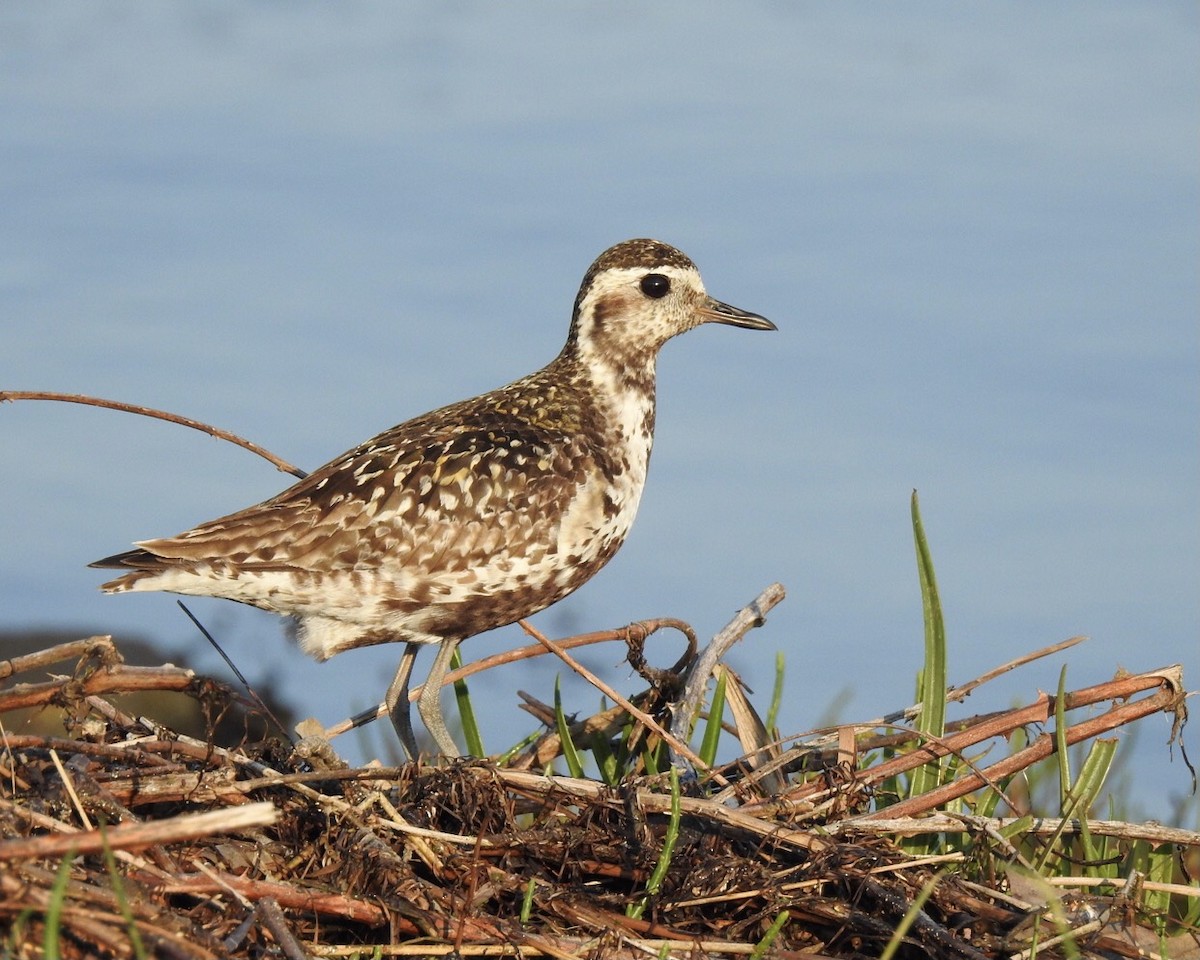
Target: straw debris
point(121, 838)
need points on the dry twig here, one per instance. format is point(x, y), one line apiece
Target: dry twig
point(7, 396)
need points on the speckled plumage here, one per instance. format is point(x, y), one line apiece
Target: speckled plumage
point(471, 516)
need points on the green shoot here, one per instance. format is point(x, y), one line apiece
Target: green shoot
point(712, 727)
point(635, 910)
point(466, 712)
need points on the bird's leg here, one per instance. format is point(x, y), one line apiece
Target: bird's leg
point(397, 701)
point(429, 704)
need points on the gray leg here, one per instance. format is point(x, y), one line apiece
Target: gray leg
point(396, 700)
point(430, 702)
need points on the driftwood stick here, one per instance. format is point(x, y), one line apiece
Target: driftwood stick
point(120, 679)
point(287, 895)
point(961, 823)
point(186, 826)
point(753, 615)
point(103, 644)
point(7, 396)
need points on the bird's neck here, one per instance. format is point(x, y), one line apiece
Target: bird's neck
point(620, 389)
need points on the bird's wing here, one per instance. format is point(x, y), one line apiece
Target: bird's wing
point(406, 494)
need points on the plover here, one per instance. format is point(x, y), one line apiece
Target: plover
point(469, 517)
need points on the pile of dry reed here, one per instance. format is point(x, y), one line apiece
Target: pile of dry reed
point(121, 838)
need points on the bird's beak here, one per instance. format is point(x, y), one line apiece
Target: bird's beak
point(718, 312)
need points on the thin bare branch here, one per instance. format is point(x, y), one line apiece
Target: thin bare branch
point(7, 396)
point(750, 616)
point(964, 690)
point(185, 826)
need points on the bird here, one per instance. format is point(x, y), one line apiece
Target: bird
point(469, 517)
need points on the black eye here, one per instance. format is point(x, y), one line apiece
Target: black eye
point(655, 285)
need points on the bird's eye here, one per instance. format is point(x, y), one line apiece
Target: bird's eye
point(655, 285)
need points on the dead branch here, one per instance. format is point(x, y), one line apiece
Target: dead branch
point(132, 836)
point(7, 396)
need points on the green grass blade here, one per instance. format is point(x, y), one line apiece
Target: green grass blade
point(466, 712)
point(635, 910)
point(54, 908)
point(607, 763)
point(652, 759)
point(1017, 827)
point(135, 937)
point(989, 799)
point(1093, 773)
point(910, 917)
point(527, 902)
point(1078, 802)
point(763, 945)
point(932, 697)
point(570, 754)
point(776, 693)
point(1060, 741)
point(712, 727)
point(1160, 868)
point(505, 759)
